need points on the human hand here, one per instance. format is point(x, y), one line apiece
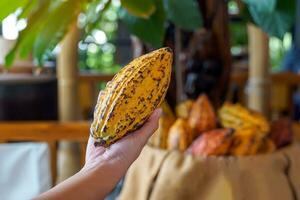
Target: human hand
point(120, 155)
point(104, 167)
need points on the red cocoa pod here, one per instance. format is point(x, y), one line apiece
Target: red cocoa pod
point(214, 142)
point(281, 132)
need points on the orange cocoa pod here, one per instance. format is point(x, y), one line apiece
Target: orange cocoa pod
point(246, 141)
point(214, 142)
point(267, 146)
point(202, 117)
point(180, 135)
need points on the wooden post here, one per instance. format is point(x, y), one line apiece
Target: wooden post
point(69, 153)
point(259, 80)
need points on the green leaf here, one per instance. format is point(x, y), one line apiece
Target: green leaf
point(56, 25)
point(27, 37)
point(28, 8)
point(262, 5)
point(47, 24)
point(138, 8)
point(9, 58)
point(150, 30)
point(277, 23)
point(185, 14)
point(94, 16)
point(9, 6)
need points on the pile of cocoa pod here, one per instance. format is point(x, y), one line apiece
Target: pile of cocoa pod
point(233, 130)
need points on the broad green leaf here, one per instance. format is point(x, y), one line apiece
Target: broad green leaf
point(138, 8)
point(9, 6)
point(150, 30)
point(279, 21)
point(266, 6)
point(46, 26)
point(56, 25)
point(27, 36)
point(28, 8)
point(185, 14)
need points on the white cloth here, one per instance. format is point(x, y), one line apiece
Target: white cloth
point(24, 170)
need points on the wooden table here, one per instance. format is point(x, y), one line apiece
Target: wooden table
point(48, 131)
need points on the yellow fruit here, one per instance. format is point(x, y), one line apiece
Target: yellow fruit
point(246, 141)
point(180, 135)
point(237, 117)
point(159, 138)
point(184, 108)
point(202, 117)
point(130, 98)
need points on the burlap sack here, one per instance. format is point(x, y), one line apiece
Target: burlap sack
point(163, 175)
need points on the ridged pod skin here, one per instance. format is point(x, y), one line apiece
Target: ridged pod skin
point(180, 135)
point(237, 117)
point(202, 116)
point(131, 97)
point(212, 143)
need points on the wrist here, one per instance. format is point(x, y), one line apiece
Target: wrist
point(103, 175)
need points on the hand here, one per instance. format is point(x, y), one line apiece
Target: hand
point(125, 151)
point(104, 167)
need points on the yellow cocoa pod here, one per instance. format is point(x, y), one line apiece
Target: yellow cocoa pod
point(180, 135)
point(159, 138)
point(183, 109)
point(131, 96)
point(238, 117)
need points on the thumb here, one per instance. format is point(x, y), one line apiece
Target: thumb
point(142, 135)
point(132, 144)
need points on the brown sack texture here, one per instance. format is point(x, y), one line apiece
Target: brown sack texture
point(293, 170)
point(162, 175)
point(142, 173)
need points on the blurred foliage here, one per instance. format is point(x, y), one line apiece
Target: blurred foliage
point(49, 20)
point(96, 49)
point(152, 29)
point(278, 49)
point(275, 17)
point(238, 33)
point(139, 8)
